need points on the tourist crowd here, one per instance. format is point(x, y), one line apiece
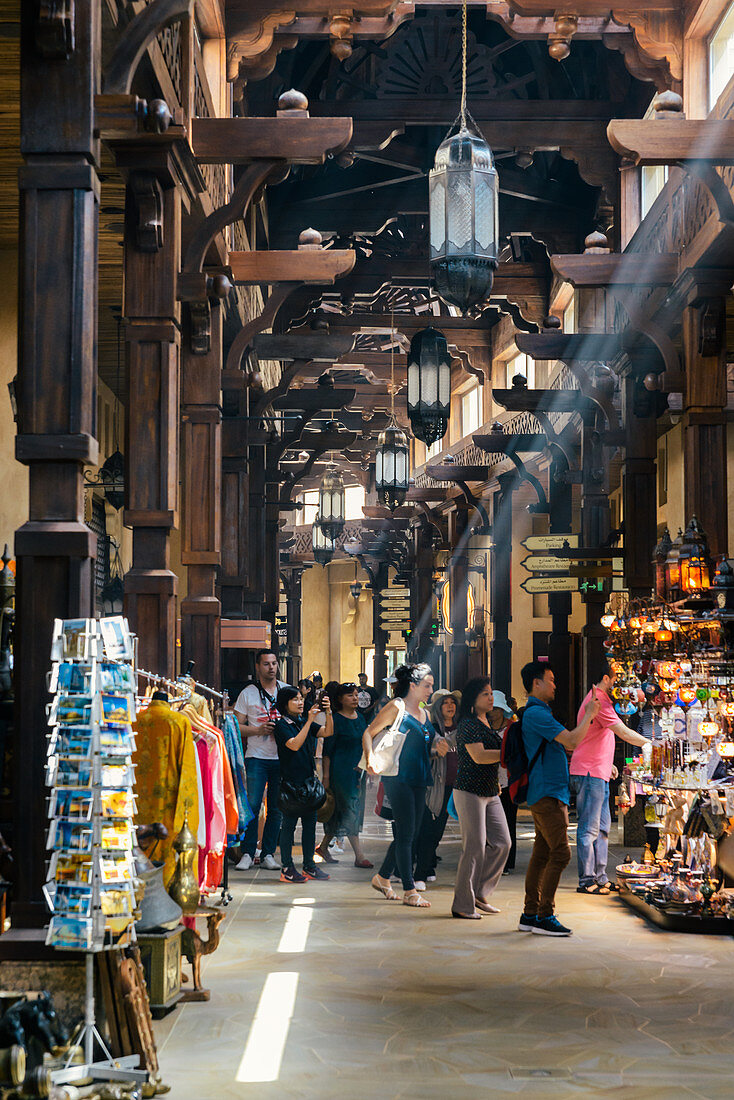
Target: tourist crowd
point(311, 751)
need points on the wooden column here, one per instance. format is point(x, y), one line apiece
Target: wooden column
point(500, 585)
point(292, 576)
point(152, 258)
point(595, 527)
point(459, 584)
point(559, 603)
point(56, 390)
point(271, 560)
point(201, 502)
point(704, 417)
point(639, 484)
point(378, 579)
point(421, 643)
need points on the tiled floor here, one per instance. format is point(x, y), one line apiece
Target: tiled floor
point(373, 999)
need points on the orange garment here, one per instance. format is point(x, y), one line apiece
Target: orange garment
point(165, 775)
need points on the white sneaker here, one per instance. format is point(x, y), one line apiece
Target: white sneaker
point(245, 863)
point(269, 863)
point(430, 878)
point(420, 886)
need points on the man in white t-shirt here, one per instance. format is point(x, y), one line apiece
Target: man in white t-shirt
point(256, 713)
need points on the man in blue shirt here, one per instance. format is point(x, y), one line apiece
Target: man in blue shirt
point(546, 741)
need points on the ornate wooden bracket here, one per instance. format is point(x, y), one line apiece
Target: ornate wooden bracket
point(288, 375)
point(658, 35)
point(148, 202)
point(672, 140)
point(135, 39)
point(626, 269)
point(244, 338)
point(54, 30)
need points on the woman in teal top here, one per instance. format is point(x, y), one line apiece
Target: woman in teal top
point(407, 790)
point(342, 776)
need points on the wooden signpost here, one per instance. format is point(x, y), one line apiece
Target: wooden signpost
point(544, 564)
point(550, 542)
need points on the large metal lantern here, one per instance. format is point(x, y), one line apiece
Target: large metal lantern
point(429, 385)
point(323, 546)
point(331, 504)
point(463, 214)
point(392, 466)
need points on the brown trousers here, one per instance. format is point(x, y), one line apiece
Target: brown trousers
point(550, 854)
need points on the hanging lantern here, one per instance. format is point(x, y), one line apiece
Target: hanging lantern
point(392, 466)
point(323, 546)
point(463, 215)
point(659, 560)
point(695, 572)
point(672, 564)
point(429, 385)
point(331, 504)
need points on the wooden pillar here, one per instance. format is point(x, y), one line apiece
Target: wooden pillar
point(500, 585)
point(57, 395)
point(704, 416)
point(378, 580)
point(595, 527)
point(639, 484)
point(421, 643)
point(459, 584)
point(271, 560)
point(559, 603)
point(201, 503)
point(292, 577)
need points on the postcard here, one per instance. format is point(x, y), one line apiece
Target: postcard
point(73, 900)
point(118, 803)
point(70, 933)
point(117, 709)
point(118, 644)
point(74, 639)
point(116, 677)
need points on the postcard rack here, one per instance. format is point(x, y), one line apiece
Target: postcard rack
point(90, 887)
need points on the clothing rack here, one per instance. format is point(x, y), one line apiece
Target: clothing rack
point(176, 685)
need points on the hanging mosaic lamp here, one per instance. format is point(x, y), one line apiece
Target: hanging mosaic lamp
point(323, 546)
point(392, 466)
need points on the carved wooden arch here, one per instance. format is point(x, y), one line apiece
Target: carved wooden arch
point(135, 39)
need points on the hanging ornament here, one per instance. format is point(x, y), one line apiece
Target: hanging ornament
point(332, 503)
point(429, 385)
point(463, 210)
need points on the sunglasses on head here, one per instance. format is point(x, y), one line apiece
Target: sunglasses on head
point(348, 687)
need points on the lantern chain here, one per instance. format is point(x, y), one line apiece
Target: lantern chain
point(463, 65)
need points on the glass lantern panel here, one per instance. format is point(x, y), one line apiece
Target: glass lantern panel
point(485, 213)
point(401, 468)
point(460, 209)
point(437, 216)
point(444, 385)
point(415, 382)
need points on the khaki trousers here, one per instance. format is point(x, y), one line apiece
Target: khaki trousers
point(550, 854)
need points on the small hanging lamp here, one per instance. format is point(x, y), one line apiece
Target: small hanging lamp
point(392, 458)
point(695, 560)
point(323, 546)
point(332, 503)
point(429, 385)
point(463, 210)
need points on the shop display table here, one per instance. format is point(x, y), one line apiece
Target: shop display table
point(677, 922)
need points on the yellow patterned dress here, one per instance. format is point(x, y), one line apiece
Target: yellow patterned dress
point(165, 775)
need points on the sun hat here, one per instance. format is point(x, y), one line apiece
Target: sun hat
point(501, 702)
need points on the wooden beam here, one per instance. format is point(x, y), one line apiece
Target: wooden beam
point(596, 7)
point(306, 344)
point(625, 269)
point(557, 401)
point(291, 266)
point(587, 347)
point(425, 496)
point(430, 110)
point(442, 471)
point(499, 443)
point(321, 399)
point(241, 140)
point(669, 141)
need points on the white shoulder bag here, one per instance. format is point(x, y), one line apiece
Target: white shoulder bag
point(386, 751)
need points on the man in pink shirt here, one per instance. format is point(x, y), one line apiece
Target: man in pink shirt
point(591, 768)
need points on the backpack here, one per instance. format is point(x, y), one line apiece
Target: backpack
point(514, 760)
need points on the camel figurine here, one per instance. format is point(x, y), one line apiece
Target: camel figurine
point(194, 948)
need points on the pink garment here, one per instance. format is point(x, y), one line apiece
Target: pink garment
point(209, 752)
point(595, 755)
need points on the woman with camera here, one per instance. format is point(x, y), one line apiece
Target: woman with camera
point(406, 790)
point(342, 776)
point(296, 741)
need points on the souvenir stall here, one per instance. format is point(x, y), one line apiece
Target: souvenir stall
point(674, 655)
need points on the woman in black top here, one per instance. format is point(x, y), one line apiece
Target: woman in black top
point(485, 838)
point(296, 741)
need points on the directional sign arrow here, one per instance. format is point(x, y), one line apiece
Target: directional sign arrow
point(549, 542)
point(542, 564)
point(395, 605)
point(386, 593)
point(551, 584)
point(394, 613)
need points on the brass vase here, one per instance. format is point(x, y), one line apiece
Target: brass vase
point(184, 884)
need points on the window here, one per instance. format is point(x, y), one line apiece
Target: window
point(434, 450)
point(652, 181)
point(311, 501)
point(520, 364)
point(721, 57)
point(353, 502)
point(471, 411)
point(570, 316)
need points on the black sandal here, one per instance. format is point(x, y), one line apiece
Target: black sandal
point(595, 888)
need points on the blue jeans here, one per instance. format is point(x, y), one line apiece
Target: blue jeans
point(592, 835)
point(260, 773)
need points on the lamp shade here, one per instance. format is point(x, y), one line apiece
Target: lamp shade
point(463, 215)
point(392, 467)
point(695, 562)
point(323, 546)
point(331, 503)
point(429, 385)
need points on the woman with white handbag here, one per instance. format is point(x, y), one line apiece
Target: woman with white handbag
point(397, 747)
